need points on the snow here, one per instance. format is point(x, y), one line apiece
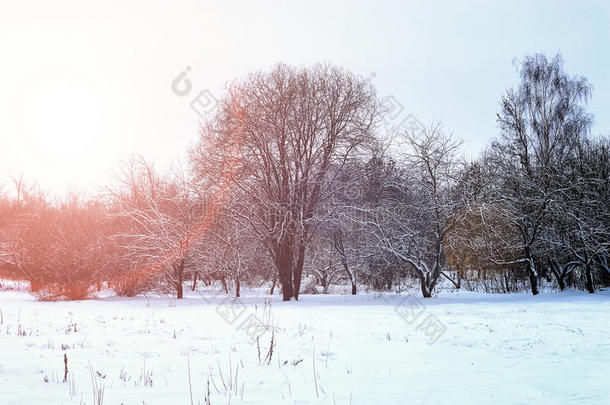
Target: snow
point(368, 349)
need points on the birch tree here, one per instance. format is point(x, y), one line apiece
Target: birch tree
point(541, 123)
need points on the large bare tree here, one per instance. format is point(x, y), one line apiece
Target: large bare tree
point(274, 139)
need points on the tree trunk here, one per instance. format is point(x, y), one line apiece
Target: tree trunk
point(286, 287)
point(424, 288)
point(533, 276)
point(194, 281)
point(562, 283)
point(35, 285)
point(559, 275)
point(273, 285)
point(298, 272)
point(283, 263)
point(589, 279)
point(533, 282)
point(237, 287)
point(179, 273)
point(349, 273)
point(179, 291)
point(224, 284)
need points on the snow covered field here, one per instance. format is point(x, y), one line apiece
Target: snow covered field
point(456, 348)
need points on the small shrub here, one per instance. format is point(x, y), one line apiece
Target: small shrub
point(132, 281)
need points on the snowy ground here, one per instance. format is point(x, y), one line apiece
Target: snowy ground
point(456, 348)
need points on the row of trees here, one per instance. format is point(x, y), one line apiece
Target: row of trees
point(294, 177)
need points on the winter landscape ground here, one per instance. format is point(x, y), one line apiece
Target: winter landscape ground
point(366, 349)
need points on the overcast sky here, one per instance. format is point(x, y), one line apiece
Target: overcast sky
point(85, 84)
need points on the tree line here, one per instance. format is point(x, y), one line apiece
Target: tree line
point(295, 183)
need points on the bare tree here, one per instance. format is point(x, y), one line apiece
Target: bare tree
point(338, 236)
point(277, 134)
point(412, 226)
point(163, 216)
point(541, 123)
